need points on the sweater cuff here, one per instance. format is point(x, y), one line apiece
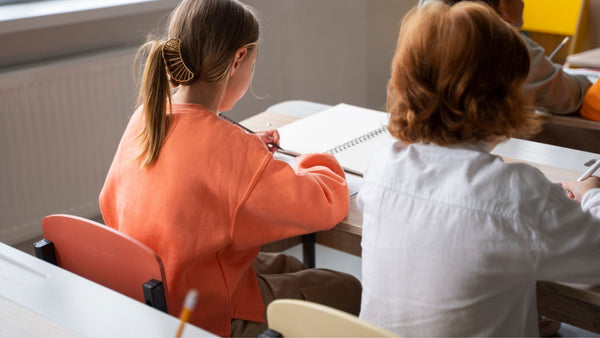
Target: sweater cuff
point(591, 199)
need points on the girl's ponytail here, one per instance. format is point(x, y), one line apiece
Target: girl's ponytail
point(154, 95)
point(203, 36)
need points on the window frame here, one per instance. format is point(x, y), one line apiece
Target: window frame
point(40, 14)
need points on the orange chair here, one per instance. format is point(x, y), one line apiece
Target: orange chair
point(105, 256)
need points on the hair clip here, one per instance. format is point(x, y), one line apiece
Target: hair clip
point(176, 67)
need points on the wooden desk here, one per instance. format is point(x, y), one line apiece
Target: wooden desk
point(569, 131)
point(576, 305)
point(572, 130)
point(575, 121)
point(41, 299)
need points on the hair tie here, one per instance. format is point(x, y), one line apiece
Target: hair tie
point(176, 67)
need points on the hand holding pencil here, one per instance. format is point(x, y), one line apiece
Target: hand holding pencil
point(270, 137)
point(576, 189)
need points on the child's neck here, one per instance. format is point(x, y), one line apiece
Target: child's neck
point(491, 144)
point(206, 94)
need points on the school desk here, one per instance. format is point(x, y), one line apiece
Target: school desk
point(571, 130)
point(43, 300)
point(576, 305)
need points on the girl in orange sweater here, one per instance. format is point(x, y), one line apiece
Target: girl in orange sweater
point(204, 194)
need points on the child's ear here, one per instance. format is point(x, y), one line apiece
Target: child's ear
point(237, 59)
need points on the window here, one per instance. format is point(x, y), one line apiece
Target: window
point(22, 15)
point(7, 2)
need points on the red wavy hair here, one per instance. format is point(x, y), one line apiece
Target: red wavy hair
point(456, 76)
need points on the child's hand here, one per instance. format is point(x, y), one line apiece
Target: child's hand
point(269, 137)
point(576, 190)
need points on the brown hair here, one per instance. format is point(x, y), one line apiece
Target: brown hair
point(456, 76)
point(203, 36)
point(494, 3)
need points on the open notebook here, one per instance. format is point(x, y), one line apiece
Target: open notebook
point(350, 133)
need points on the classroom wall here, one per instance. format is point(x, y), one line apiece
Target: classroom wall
point(334, 51)
point(384, 22)
point(321, 50)
point(327, 51)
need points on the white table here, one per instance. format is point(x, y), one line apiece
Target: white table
point(40, 299)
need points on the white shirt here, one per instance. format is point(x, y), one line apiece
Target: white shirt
point(454, 240)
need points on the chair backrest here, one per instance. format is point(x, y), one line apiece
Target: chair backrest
point(298, 318)
point(105, 256)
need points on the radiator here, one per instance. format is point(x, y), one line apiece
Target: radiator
point(60, 124)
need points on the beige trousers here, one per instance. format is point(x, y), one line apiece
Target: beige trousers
point(283, 276)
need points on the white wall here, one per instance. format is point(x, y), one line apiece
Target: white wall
point(327, 51)
point(384, 22)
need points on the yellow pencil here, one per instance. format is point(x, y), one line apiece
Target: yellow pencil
point(188, 306)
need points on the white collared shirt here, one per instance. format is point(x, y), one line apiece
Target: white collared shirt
point(454, 240)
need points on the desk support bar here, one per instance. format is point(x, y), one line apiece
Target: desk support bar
point(568, 304)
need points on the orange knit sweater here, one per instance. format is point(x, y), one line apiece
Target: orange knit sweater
point(212, 198)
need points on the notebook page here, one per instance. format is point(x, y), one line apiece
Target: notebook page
point(339, 126)
point(330, 128)
point(357, 157)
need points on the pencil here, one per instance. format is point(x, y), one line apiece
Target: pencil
point(560, 46)
point(590, 171)
point(272, 144)
point(188, 306)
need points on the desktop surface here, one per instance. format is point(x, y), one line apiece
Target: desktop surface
point(38, 297)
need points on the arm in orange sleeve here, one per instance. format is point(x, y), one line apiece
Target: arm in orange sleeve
point(286, 202)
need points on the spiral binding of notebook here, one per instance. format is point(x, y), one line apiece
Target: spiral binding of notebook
point(358, 140)
point(358, 134)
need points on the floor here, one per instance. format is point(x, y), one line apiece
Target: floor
point(333, 259)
